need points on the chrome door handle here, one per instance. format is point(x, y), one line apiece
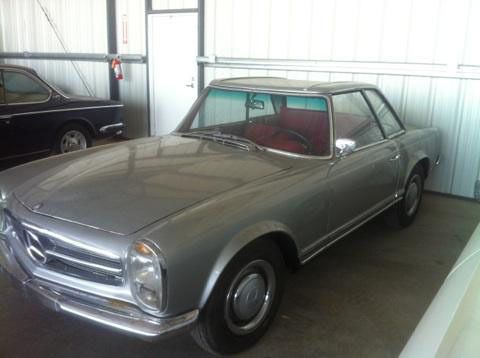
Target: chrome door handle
point(395, 157)
point(190, 85)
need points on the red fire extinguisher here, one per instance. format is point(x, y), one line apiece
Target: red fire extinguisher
point(117, 68)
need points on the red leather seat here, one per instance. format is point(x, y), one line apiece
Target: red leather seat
point(313, 125)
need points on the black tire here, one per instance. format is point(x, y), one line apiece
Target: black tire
point(73, 127)
point(219, 330)
point(404, 212)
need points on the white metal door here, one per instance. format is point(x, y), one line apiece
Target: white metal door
point(172, 53)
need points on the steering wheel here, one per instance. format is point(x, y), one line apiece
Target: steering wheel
point(304, 141)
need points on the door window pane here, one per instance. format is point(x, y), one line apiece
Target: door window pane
point(384, 114)
point(22, 89)
point(354, 120)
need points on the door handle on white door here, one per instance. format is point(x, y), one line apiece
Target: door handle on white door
point(191, 84)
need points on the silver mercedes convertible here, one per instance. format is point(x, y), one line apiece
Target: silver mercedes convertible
point(195, 230)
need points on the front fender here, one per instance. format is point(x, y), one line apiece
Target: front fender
point(235, 245)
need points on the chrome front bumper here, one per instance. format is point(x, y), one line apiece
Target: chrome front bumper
point(108, 313)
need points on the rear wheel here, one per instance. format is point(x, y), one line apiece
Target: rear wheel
point(72, 137)
point(244, 300)
point(404, 212)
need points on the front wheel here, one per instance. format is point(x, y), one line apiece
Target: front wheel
point(405, 211)
point(244, 301)
point(72, 137)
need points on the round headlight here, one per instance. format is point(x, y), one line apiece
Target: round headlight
point(145, 267)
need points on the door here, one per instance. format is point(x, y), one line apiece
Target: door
point(22, 129)
point(172, 54)
point(365, 180)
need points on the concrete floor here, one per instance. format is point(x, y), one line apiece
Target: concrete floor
point(361, 298)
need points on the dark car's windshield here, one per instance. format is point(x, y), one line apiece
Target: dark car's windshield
point(295, 124)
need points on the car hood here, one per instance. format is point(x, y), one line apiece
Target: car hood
point(126, 187)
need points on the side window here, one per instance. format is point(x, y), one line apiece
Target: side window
point(2, 89)
point(384, 114)
point(266, 102)
point(20, 88)
point(354, 120)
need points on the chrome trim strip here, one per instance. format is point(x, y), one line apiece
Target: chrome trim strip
point(83, 262)
point(306, 92)
point(397, 134)
point(146, 327)
point(110, 126)
point(67, 110)
point(71, 242)
point(341, 236)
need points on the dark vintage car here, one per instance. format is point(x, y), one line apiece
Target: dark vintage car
point(37, 118)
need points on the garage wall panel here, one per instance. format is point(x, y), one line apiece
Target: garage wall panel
point(82, 28)
point(133, 88)
point(133, 93)
point(82, 25)
point(431, 45)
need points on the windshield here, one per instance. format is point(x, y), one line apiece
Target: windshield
point(295, 124)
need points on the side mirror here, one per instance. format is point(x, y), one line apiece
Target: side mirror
point(345, 146)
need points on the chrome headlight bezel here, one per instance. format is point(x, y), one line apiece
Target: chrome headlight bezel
point(3, 217)
point(151, 255)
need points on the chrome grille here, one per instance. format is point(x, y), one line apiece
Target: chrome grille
point(55, 255)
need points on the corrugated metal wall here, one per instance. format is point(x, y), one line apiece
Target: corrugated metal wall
point(83, 28)
point(423, 54)
point(133, 89)
point(82, 25)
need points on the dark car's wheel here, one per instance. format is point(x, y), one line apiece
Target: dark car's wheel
point(404, 212)
point(244, 300)
point(72, 137)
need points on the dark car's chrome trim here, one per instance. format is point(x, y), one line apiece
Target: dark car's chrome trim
point(104, 129)
point(67, 110)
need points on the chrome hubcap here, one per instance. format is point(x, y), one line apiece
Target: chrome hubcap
point(412, 197)
point(250, 297)
point(72, 140)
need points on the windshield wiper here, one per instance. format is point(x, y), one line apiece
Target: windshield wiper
point(223, 138)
